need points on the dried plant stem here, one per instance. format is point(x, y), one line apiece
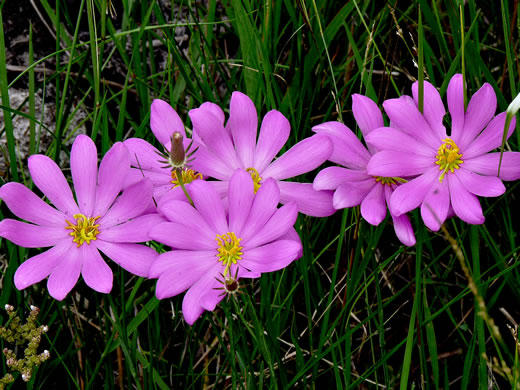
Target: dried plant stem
point(472, 286)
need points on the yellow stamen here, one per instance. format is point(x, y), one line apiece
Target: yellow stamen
point(449, 157)
point(390, 180)
point(187, 176)
point(85, 229)
point(229, 250)
point(256, 178)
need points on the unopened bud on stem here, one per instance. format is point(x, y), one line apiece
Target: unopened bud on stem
point(177, 155)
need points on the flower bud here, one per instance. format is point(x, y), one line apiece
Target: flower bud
point(514, 106)
point(177, 155)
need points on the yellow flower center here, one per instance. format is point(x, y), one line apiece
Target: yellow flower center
point(187, 176)
point(85, 229)
point(229, 250)
point(448, 157)
point(256, 177)
point(389, 180)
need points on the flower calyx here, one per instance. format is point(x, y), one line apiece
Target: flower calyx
point(230, 284)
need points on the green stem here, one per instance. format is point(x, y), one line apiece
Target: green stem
point(420, 62)
point(178, 172)
point(461, 11)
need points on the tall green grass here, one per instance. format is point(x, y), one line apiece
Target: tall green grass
point(358, 310)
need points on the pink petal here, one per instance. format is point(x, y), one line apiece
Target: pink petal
point(352, 194)
point(158, 193)
point(47, 176)
point(274, 133)
point(66, 274)
point(408, 196)
point(170, 262)
point(367, 114)
point(158, 179)
point(184, 214)
point(175, 194)
point(241, 195)
point(83, 166)
point(145, 156)
point(214, 136)
point(481, 109)
point(303, 157)
point(291, 234)
point(490, 138)
point(135, 258)
point(465, 204)
point(180, 236)
point(434, 208)
point(390, 163)
point(347, 148)
point(210, 164)
point(215, 110)
point(404, 115)
point(388, 138)
point(271, 257)
point(33, 236)
point(433, 108)
point(96, 273)
point(135, 230)
point(331, 177)
point(132, 203)
point(281, 221)
point(191, 305)
point(164, 121)
point(389, 190)
point(403, 229)
point(455, 94)
point(215, 295)
point(209, 205)
point(38, 267)
point(487, 164)
point(243, 122)
point(184, 269)
point(480, 185)
point(264, 205)
point(373, 206)
point(221, 187)
point(308, 200)
point(112, 175)
point(26, 205)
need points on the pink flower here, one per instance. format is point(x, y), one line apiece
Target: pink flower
point(451, 170)
point(147, 161)
point(100, 220)
point(252, 237)
point(226, 149)
point(352, 184)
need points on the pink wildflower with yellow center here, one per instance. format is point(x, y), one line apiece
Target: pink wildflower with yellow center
point(350, 181)
point(77, 230)
point(224, 149)
point(213, 246)
point(451, 170)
